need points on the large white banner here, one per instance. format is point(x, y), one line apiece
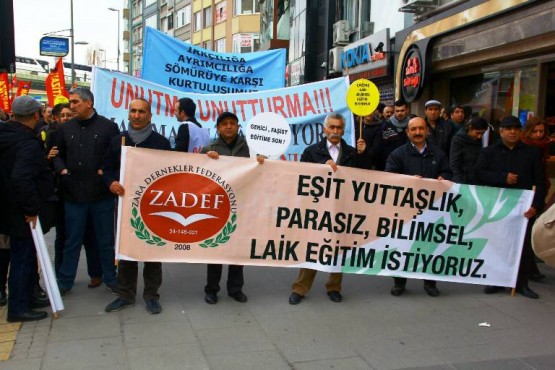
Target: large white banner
point(183, 207)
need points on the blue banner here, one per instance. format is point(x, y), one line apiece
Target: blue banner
point(304, 106)
point(170, 62)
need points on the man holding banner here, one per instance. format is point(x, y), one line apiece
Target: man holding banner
point(509, 163)
point(421, 159)
point(141, 135)
point(26, 185)
point(228, 143)
point(333, 151)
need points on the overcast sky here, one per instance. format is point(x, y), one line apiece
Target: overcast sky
point(92, 21)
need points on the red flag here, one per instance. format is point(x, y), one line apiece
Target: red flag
point(55, 83)
point(23, 88)
point(13, 82)
point(4, 92)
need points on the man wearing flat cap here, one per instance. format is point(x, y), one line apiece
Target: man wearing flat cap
point(509, 163)
point(230, 143)
point(440, 132)
point(26, 188)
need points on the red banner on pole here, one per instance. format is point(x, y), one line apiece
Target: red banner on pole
point(4, 92)
point(23, 88)
point(55, 83)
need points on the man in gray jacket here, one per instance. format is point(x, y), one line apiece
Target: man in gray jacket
point(228, 142)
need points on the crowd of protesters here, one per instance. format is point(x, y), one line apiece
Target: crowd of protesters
point(62, 162)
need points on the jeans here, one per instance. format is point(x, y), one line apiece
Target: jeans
point(101, 213)
point(23, 275)
point(94, 269)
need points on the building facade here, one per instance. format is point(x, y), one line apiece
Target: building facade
point(496, 56)
point(231, 26)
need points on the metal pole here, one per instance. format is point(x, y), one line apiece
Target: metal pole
point(117, 10)
point(72, 46)
point(118, 38)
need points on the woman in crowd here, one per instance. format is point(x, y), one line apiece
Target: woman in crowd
point(535, 134)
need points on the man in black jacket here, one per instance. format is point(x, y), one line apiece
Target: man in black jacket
point(82, 144)
point(422, 159)
point(62, 113)
point(393, 132)
point(372, 136)
point(333, 151)
point(509, 163)
point(140, 135)
point(440, 132)
point(26, 187)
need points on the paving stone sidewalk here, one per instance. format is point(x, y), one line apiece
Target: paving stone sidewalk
point(370, 329)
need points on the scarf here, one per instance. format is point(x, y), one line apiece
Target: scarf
point(399, 125)
point(138, 136)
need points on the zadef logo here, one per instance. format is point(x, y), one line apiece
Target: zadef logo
point(184, 208)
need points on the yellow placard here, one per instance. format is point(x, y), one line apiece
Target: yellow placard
point(363, 97)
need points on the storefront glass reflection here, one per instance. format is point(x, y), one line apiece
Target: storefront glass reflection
point(493, 95)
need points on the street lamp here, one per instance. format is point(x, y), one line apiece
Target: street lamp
point(116, 10)
point(72, 44)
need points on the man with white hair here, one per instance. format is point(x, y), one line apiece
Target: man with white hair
point(333, 151)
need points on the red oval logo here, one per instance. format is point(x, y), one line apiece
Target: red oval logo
point(185, 207)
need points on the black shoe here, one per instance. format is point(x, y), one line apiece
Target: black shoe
point(28, 316)
point(3, 299)
point(295, 298)
point(153, 306)
point(64, 291)
point(40, 303)
point(431, 289)
point(39, 293)
point(538, 276)
point(527, 292)
point(397, 290)
point(238, 296)
point(113, 288)
point(211, 298)
point(490, 289)
point(118, 305)
point(335, 296)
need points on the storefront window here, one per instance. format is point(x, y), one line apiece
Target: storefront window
point(493, 95)
point(549, 102)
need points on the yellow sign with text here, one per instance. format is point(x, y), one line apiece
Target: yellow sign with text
point(363, 97)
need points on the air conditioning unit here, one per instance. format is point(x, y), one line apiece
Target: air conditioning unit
point(366, 29)
point(341, 32)
point(334, 59)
